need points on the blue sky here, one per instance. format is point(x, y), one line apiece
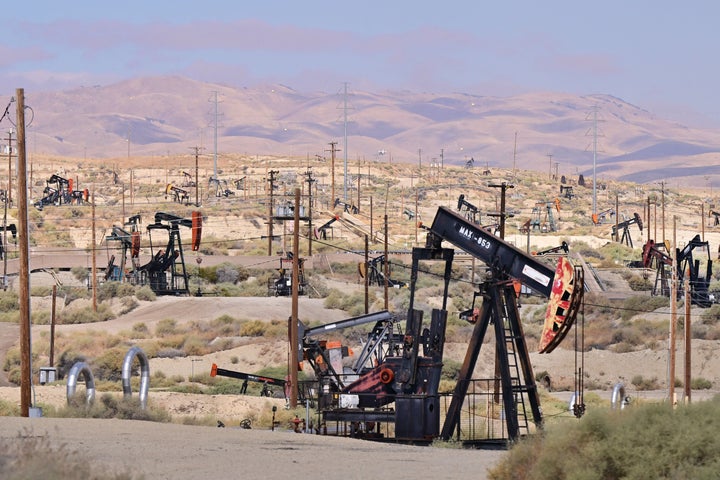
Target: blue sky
point(659, 55)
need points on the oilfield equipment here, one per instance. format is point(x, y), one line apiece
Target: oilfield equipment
point(392, 386)
point(470, 211)
point(716, 215)
point(320, 233)
point(130, 244)
point(600, 217)
point(188, 181)
point(3, 238)
point(655, 256)
point(543, 218)
point(61, 191)
point(266, 391)
point(375, 271)
point(688, 267)
point(566, 191)
point(165, 272)
point(179, 195)
point(282, 285)
point(82, 369)
point(220, 186)
point(624, 226)
point(347, 207)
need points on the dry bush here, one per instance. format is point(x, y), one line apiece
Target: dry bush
point(31, 455)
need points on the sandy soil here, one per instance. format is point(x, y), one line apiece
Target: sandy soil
point(178, 452)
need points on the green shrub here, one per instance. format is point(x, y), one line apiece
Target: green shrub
point(145, 294)
point(700, 383)
point(166, 327)
point(87, 315)
point(8, 301)
point(648, 441)
point(253, 328)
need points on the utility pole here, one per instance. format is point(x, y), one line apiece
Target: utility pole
point(386, 269)
point(549, 155)
point(197, 184)
point(309, 180)
point(673, 321)
point(663, 210)
point(294, 348)
point(367, 282)
point(514, 153)
point(688, 343)
point(94, 256)
point(503, 188)
point(271, 180)
point(24, 273)
point(345, 152)
point(333, 150)
point(10, 155)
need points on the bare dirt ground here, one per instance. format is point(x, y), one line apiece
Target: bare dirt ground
point(179, 452)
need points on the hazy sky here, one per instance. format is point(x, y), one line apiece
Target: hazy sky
point(659, 55)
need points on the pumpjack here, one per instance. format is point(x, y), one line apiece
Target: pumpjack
point(321, 231)
point(180, 195)
point(375, 271)
point(699, 286)
point(400, 387)
point(221, 187)
point(188, 181)
point(470, 211)
point(717, 217)
point(249, 377)
point(625, 227)
point(545, 222)
point(347, 207)
point(130, 243)
point(282, 285)
point(566, 191)
point(600, 217)
point(656, 256)
point(59, 191)
point(165, 272)
point(3, 240)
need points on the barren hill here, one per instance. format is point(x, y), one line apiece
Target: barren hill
point(542, 131)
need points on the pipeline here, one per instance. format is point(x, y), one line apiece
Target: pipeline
point(76, 370)
point(618, 400)
point(144, 374)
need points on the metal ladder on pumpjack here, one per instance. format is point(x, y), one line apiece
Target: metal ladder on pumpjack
point(518, 385)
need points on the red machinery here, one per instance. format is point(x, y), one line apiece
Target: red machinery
point(401, 386)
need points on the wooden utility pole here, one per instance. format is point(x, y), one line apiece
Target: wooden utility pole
point(673, 321)
point(9, 192)
point(367, 274)
point(271, 180)
point(662, 210)
point(688, 344)
point(617, 219)
point(52, 326)
point(310, 180)
point(294, 348)
point(94, 259)
point(386, 269)
point(24, 251)
point(197, 179)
